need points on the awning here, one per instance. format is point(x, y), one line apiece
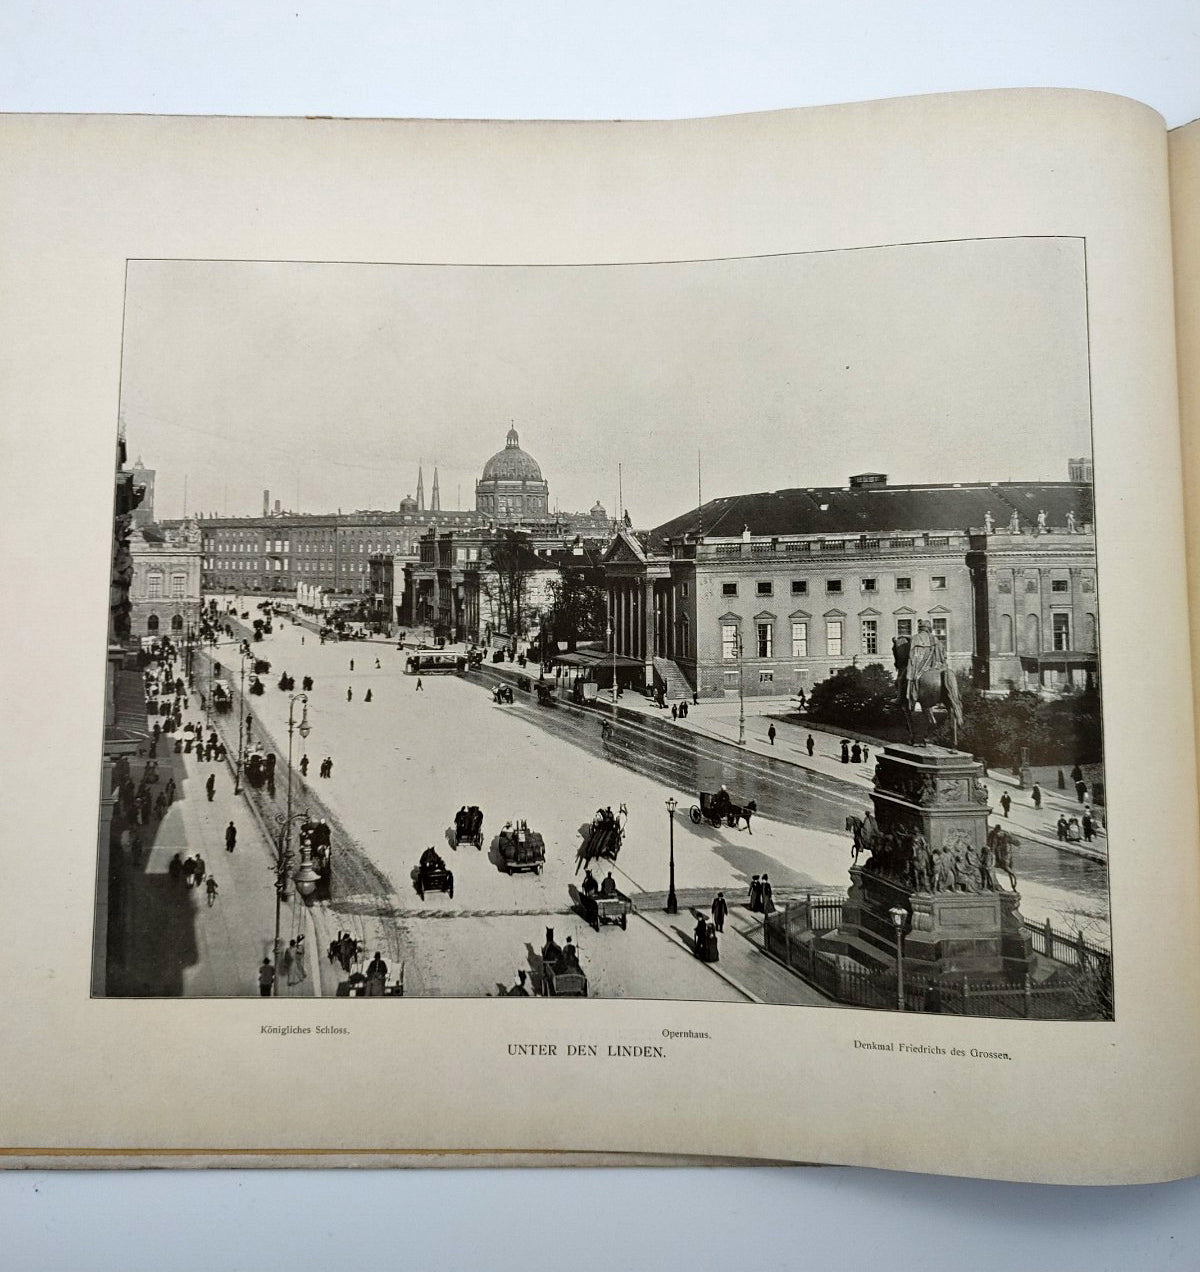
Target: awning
point(594, 658)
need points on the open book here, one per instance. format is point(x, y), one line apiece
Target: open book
point(693, 617)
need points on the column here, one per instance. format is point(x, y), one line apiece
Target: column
point(648, 626)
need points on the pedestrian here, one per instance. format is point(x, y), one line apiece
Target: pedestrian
point(329, 768)
point(376, 664)
point(349, 693)
point(368, 697)
point(1089, 827)
point(1081, 790)
point(335, 946)
point(1036, 796)
point(810, 745)
point(198, 870)
point(211, 888)
point(755, 895)
point(230, 837)
point(304, 766)
point(377, 970)
point(266, 978)
point(286, 960)
point(765, 895)
point(845, 751)
point(189, 870)
point(1062, 826)
point(674, 711)
point(856, 754)
point(720, 909)
point(351, 664)
point(1006, 802)
point(771, 739)
point(420, 687)
point(175, 868)
point(866, 754)
point(347, 948)
point(211, 786)
point(695, 698)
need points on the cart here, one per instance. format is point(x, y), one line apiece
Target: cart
point(521, 848)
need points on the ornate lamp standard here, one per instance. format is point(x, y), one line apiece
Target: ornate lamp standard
point(898, 919)
point(612, 640)
point(741, 692)
point(237, 770)
point(672, 903)
point(305, 730)
point(305, 881)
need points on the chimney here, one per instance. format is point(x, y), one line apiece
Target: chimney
point(266, 503)
point(277, 507)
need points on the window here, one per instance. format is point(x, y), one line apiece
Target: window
point(766, 677)
point(729, 640)
point(833, 637)
point(938, 582)
point(731, 678)
point(870, 636)
point(1060, 585)
point(868, 585)
point(728, 589)
point(685, 590)
point(766, 635)
point(178, 584)
point(833, 586)
point(940, 630)
point(765, 587)
point(799, 587)
point(799, 640)
point(1061, 630)
point(903, 583)
point(904, 627)
point(154, 585)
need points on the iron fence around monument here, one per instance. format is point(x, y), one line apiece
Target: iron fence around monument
point(788, 936)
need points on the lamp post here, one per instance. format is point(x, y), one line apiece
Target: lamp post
point(898, 920)
point(612, 640)
point(237, 768)
point(305, 729)
point(741, 693)
point(280, 867)
point(672, 903)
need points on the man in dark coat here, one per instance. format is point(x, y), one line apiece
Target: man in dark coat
point(845, 751)
point(810, 744)
point(230, 837)
point(211, 786)
point(720, 908)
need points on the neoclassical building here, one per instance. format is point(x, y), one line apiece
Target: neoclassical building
point(512, 487)
point(165, 592)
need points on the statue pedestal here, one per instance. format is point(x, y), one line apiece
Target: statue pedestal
point(931, 812)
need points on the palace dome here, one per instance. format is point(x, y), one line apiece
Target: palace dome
point(512, 463)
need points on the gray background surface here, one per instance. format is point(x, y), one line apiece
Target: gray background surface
point(615, 59)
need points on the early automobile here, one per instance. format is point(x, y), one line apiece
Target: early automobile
point(468, 826)
point(432, 875)
point(521, 848)
point(718, 809)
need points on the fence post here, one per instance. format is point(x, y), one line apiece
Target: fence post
point(1028, 995)
point(1081, 946)
point(1049, 940)
point(966, 994)
point(787, 934)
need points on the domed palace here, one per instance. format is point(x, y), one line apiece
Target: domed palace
point(512, 486)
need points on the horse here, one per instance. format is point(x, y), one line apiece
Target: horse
point(742, 813)
point(937, 686)
point(1004, 845)
point(864, 836)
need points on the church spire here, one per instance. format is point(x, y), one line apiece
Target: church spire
point(435, 500)
point(420, 488)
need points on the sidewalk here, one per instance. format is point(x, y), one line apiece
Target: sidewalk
point(180, 945)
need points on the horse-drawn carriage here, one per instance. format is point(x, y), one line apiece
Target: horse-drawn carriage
point(432, 875)
point(521, 848)
point(502, 694)
point(562, 975)
point(468, 826)
point(545, 695)
point(719, 809)
point(606, 835)
point(599, 908)
point(222, 695)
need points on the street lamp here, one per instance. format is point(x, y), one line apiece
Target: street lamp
point(612, 640)
point(898, 920)
point(741, 693)
point(280, 867)
point(305, 730)
point(237, 770)
point(672, 903)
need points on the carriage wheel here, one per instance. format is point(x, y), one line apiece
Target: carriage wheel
point(624, 917)
point(450, 890)
point(421, 891)
point(694, 814)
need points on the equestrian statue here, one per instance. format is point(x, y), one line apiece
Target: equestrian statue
point(925, 680)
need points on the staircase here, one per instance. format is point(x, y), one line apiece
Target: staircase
point(676, 684)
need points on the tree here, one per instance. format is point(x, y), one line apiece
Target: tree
point(505, 582)
point(859, 698)
point(577, 608)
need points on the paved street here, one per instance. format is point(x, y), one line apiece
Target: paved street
point(405, 761)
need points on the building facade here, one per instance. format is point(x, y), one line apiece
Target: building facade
point(512, 488)
point(165, 592)
point(771, 593)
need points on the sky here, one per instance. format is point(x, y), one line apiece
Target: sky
point(327, 383)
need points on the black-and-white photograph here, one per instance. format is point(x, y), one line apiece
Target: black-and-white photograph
point(720, 630)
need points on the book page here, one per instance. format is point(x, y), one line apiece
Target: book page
point(1184, 150)
point(505, 515)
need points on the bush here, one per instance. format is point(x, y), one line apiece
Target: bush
point(861, 698)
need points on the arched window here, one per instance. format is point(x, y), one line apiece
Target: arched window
point(1032, 634)
point(152, 623)
point(1006, 634)
point(177, 623)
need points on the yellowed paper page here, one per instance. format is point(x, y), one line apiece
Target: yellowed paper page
point(970, 292)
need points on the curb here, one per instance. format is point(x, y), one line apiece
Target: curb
point(715, 968)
